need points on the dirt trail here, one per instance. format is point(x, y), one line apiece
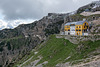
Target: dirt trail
point(93, 63)
point(89, 13)
point(27, 60)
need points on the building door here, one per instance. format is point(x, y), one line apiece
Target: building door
point(68, 33)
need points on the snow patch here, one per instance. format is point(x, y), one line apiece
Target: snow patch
point(97, 4)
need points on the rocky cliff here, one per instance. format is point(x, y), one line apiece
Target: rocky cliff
point(92, 7)
point(15, 43)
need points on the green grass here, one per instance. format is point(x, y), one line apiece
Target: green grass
point(88, 47)
point(26, 57)
point(56, 50)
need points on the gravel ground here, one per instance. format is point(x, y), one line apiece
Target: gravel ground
point(93, 63)
point(90, 13)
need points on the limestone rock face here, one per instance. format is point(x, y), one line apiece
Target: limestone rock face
point(15, 43)
point(92, 7)
point(95, 29)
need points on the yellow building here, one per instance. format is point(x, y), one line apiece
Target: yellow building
point(76, 28)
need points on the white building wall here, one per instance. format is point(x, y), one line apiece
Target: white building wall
point(67, 32)
point(86, 34)
point(72, 30)
point(72, 33)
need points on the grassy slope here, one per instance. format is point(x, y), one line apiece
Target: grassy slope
point(26, 57)
point(57, 50)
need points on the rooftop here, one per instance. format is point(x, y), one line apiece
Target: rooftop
point(76, 23)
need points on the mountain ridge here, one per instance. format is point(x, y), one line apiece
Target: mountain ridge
point(28, 36)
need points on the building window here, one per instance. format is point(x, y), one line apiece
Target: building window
point(65, 30)
point(79, 26)
point(79, 29)
point(84, 30)
point(76, 26)
point(76, 29)
point(68, 29)
point(84, 26)
point(87, 27)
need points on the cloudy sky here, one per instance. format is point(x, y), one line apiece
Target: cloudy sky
point(30, 10)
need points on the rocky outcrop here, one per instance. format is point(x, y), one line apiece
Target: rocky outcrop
point(89, 62)
point(92, 7)
point(77, 39)
point(14, 49)
point(95, 28)
point(15, 43)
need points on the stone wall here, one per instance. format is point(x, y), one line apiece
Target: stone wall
point(77, 39)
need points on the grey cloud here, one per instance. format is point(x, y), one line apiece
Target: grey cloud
point(21, 9)
point(35, 9)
